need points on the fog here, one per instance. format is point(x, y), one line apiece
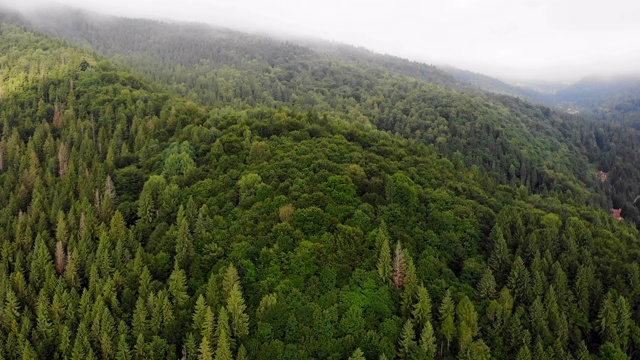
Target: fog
point(560, 40)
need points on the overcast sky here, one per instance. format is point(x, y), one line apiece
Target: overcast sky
point(520, 39)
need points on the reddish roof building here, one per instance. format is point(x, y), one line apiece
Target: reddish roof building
point(603, 176)
point(616, 214)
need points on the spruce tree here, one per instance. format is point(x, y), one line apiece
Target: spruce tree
point(428, 340)
point(237, 311)
point(407, 340)
point(422, 309)
point(357, 355)
point(384, 259)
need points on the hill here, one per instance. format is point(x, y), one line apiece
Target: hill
point(380, 215)
point(517, 143)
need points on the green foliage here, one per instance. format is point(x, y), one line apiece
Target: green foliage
point(276, 186)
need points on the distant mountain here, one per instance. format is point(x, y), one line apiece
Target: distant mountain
point(494, 85)
point(593, 92)
point(596, 97)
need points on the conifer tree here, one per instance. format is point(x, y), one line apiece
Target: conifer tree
point(524, 353)
point(208, 326)
point(500, 259)
point(139, 320)
point(428, 340)
point(223, 349)
point(446, 313)
point(223, 326)
point(407, 340)
point(410, 288)
point(467, 314)
point(519, 279)
point(487, 286)
point(384, 259)
point(185, 250)
point(399, 266)
point(204, 352)
point(623, 322)
point(231, 278)
point(199, 312)
point(357, 355)
point(124, 352)
point(178, 286)
point(237, 311)
point(140, 349)
point(422, 309)
point(608, 320)
point(268, 301)
point(242, 353)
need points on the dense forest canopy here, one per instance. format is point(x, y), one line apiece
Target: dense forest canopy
point(246, 198)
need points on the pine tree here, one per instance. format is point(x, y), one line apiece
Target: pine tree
point(500, 259)
point(583, 352)
point(447, 312)
point(231, 278)
point(624, 321)
point(410, 289)
point(422, 309)
point(190, 347)
point(407, 340)
point(557, 319)
point(467, 314)
point(199, 312)
point(237, 310)
point(519, 279)
point(223, 350)
point(146, 207)
point(124, 353)
point(223, 326)
point(268, 301)
point(357, 355)
point(399, 266)
point(487, 286)
point(209, 325)
point(524, 353)
point(428, 340)
point(139, 320)
point(185, 251)
point(178, 286)
point(63, 159)
point(242, 353)
point(465, 337)
point(140, 350)
point(60, 258)
point(204, 351)
point(538, 318)
point(384, 260)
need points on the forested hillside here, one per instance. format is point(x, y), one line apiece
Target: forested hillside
point(515, 142)
point(607, 99)
point(304, 208)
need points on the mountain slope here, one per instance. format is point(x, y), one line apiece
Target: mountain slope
point(136, 223)
point(221, 68)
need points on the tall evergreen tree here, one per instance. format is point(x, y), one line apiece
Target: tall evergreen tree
point(384, 259)
point(237, 310)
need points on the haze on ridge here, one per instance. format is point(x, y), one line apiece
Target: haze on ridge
point(542, 40)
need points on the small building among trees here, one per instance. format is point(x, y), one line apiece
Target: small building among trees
point(616, 213)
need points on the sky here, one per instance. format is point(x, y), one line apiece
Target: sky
point(510, 39)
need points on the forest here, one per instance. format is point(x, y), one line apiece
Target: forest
point(177, 191)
